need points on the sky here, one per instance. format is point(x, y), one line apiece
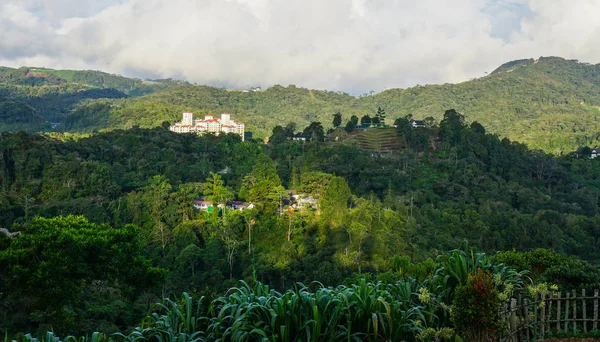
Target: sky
point(353, 46)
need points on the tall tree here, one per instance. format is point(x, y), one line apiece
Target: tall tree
point(264, 186)
point(278, 135)
point(215, 190)
point(380, 115)
point(334, 203)
point(264, 169)
point(350, 126)
point(451, 126)
point(314, 132)
point(359, 226)
point(337, 119)
point(404, 128)
point(157, 194)
point(184, 197)
point(366, 121)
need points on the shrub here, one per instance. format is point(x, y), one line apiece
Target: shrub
point(476, 304)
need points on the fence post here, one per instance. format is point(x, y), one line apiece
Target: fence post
point(543, 314)
point(534, 325)
point(549, 314)
point(558, 314)
point(567, 314)
point(513, 318)
point(574, 312)
point(584, 313)
point(595, 324)
point(521, 326)
point(526, 317)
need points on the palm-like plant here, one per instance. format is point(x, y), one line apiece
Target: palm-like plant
point(365, 311)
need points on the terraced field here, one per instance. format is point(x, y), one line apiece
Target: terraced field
point(379, 140)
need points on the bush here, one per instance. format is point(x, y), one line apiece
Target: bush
point(476, 304)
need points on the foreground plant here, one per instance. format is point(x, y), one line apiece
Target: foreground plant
point(476, 308)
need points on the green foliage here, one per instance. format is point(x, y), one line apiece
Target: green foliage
point(379, 116)
point(402, 310)
point(382, 215)
point(549, 104)
point(264, 186)
point(350, 126)
point(16, 115)
point(366, 121)
point(337, 119)
point(33, 98)
point(314, 132)
point(54, 264)
point(476, 308)
point(547, 266)
point(335, 200)
point(215, 191)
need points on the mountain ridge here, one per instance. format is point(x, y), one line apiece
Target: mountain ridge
point(549, 103)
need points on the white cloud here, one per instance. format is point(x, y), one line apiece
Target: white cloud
point(350, 45)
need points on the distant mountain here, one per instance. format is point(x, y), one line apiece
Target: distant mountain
point(549, 103)
point(49, 95)
point(29, 76)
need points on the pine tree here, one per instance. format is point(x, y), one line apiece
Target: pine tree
point(380, 116)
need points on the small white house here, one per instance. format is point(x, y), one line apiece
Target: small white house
point(202, 205)
point(417, 123)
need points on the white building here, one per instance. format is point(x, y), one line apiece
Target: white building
point(209, 124)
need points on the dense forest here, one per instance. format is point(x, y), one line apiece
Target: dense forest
point(98, 228)
point(37, 99)
point(549, 103)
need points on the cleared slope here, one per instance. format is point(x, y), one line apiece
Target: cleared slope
point(378, 140)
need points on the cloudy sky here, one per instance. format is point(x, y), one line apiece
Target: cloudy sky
point(347, 45)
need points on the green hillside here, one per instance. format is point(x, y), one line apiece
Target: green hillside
point(32, 76)
point(550, 103)
point(52, 94)
point(261, 111)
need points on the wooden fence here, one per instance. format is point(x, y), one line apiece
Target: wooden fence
point(547, 314)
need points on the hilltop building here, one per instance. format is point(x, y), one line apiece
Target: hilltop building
point(417, 123)
point(208, 125)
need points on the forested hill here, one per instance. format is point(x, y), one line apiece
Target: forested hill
point(550, 103)
point(371, 216)
point(29, 76)
point(33, 99)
